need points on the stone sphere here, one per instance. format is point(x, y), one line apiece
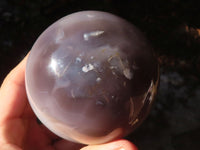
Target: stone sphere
point(91, 77)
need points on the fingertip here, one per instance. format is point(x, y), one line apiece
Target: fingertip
point(127, 145)
point(121, 144)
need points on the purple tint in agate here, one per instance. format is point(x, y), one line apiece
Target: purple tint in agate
point(91, 77)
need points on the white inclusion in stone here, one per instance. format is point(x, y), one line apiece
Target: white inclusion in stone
point(92, 57)
point(127, 73)
point(113, 67)
point(90, 16)
point(98, 79)
point(86, 36)
point(59, 36)
point(113, 73)
point(72, 94)
point(78, 59)
point(100, 103)
point(87, 67)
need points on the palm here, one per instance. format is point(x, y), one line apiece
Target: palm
point(29, 134)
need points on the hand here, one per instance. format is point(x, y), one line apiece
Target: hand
point(19, 129)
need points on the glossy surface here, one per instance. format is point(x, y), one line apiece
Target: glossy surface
point(91, 77)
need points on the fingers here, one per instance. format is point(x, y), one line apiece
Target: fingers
point(116, 145)
point(12, 93)
point(66, 145)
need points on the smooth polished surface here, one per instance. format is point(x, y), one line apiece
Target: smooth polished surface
point(91, 77)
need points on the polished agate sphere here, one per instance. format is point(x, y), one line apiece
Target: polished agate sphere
point(91, 77)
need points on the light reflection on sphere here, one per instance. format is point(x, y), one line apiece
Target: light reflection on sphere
point(91, 77)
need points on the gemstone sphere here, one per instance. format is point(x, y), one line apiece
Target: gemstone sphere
point(91, 77)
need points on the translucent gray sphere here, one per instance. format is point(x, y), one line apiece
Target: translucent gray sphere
point(91, 77)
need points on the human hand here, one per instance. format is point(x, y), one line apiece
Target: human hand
point(19, 129)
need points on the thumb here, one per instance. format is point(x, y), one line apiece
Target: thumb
point(115, 145)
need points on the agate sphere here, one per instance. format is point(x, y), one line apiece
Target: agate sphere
point(91, 77)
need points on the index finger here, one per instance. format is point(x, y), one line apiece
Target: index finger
point(13, 97)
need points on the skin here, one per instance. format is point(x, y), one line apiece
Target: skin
point(19, 128)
